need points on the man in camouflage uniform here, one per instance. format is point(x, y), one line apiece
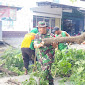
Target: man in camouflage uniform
point(45, 54)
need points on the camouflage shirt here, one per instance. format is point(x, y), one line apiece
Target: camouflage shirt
point(44, 54)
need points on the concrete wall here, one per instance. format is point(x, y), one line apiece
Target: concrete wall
point(13, 34)
point(0, 30)
point(84, 22)
point(47, 11)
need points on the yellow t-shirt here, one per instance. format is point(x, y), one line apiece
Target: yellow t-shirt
point(27, 40)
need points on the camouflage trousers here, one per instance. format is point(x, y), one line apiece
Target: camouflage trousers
point(46, 76)
point(45, 60)
point(46, 73)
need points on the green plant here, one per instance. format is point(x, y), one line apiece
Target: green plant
point(31, 81)
point(12, 60)
point(69, 64)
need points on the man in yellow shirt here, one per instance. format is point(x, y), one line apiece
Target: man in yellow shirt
point(27, 47)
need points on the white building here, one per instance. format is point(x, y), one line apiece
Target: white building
point(45, 13)
point(7, 13)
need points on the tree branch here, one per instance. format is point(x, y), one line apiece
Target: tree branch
point(77, 39)
point(7, 71)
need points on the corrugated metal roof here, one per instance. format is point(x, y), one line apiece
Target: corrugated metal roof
point(53, 4)
point(57, 5)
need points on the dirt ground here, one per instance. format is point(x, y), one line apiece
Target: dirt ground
point(19, 79)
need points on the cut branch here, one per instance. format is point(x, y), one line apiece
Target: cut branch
point(77, 39)
point(7, 71)
point(13, 82)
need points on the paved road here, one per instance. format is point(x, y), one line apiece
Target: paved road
point(77, 46)
point(3, 81)
point(15, 42)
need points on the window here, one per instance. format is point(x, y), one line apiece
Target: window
point(52, 23)
point(39, 18)
point(34, 21)
point(49, 21)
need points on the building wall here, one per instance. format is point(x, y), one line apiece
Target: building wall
point(58, 22)
point(0, 30)
point(47, 11)
point(49, 15)
point(84, 22)
point(13, 34)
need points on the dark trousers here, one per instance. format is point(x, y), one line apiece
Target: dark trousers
point(27, 56)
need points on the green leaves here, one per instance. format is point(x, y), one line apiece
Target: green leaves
point(68, 63)
point(80, 69)
point(12, 58)
point(31, 81)
point(64, 67)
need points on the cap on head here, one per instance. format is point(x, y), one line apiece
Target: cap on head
point(42, 24)
point(55, 29)
point(34, 30)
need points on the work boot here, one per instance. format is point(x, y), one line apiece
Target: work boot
point(26, 72)
point(51, 83)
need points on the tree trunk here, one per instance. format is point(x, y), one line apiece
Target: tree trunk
point(77, 39)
